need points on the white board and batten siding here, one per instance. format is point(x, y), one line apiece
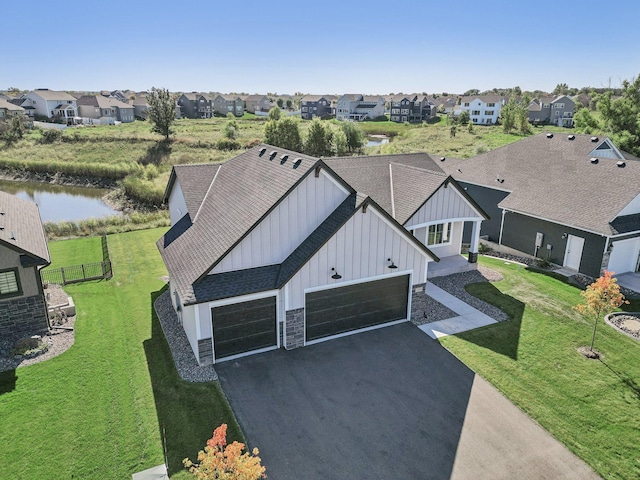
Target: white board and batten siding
point(454, 245)
point(177, 204)
point(287, 226)
point(632, 207)
point(447, 204)
point(189, 320)
point(358, 250)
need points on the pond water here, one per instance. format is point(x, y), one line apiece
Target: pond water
point(61, 202)
point(376, 140)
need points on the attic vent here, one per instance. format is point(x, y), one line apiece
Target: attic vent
point(272, 155)
point(549, 135)
point(594, 139)
point(442, 159)
point(621, 164)
point(571, 137)
point(262, 150)
point(297, 163)
point(594, 160)
point(283, 159)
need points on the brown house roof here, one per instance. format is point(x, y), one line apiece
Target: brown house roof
point(555, 179)
point(21, 228)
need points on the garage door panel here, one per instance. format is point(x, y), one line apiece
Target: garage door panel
point(242, 327)
point(344, 309)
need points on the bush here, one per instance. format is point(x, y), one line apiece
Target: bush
point(107, 225)
point(226, 144)
point(51, 136)
point(142, 191)
point(483, 248)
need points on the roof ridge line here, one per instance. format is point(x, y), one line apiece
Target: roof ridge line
point(207, 194)
point(393, 203)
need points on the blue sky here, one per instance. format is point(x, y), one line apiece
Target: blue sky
point(320, 47)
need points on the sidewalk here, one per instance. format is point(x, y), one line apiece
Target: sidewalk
point(468, 317)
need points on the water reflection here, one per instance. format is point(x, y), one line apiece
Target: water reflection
point(61, 202)
point(376, 140)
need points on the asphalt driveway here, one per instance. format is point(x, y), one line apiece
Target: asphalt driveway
point(385, 404)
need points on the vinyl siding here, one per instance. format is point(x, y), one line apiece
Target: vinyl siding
point(446, 203)
point(488, 199)
point(189, 325)
point(177, 204)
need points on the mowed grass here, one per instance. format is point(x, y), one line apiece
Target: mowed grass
point(75, 252)
point(101, 409)
point(592, 406)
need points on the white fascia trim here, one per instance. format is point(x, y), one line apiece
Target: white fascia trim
point(335, 181)
point(244, 298)
point(393, 204)
point(465, 200)
point(510, 210)
point(245, 354)
point(207, 194)
point(444, 220)
point(635, 232)
point(197, 318)
point(402, 232)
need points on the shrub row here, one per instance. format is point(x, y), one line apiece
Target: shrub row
point(142, 190)
point(116, 171)
point(107, 225)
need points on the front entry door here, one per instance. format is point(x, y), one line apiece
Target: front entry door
point(573, 253)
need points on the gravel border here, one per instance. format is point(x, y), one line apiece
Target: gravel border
point(616, 320)
point(454, 284)
point(183, 357)
point(434, 310)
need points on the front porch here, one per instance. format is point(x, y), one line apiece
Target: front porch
point(630, 281)
point(450, 265)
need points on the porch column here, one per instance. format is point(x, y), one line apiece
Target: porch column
point(475, 241)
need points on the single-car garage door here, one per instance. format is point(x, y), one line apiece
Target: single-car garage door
point(243, 327)
point(344, 309)
point(624, 256)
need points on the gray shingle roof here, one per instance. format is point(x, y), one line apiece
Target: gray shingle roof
point(626, 224)
point(197, 178)
point(102, 102)
point(53, 95)
point(255, 184)
point(21, 228)
point(553, 178)
point(4, 104)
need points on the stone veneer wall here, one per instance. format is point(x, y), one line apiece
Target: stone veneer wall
point(23, 316)
point(418, 303)
point(205, 351)
point(295, 329)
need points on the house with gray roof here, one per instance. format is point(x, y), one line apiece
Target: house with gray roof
point(23, 252)
point(195, 105)
point(257, 103)
point(59, 106)
point(483, 109)
point(224, 104)
point(552, 110)
point(357, 107)
point(8, 109)
point(411, 108)
point(571, 199)
point(316, 106)
point(140, 105)
point(105, 109)
point(277, 249)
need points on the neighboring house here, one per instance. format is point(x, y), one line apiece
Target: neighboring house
point(23, 252)
point(552, 110)
point(411, 108)
point(483, 109)
point(574, 200)
point(52, 104)
point(224, 104)
point(357, 107)
point(8, 109)
point(257, 103)
point(98, 107)
point(278, 249)
point(316, 106)
point(445, 104)
point(195, 105)
point(140, 105)
point(118, 95)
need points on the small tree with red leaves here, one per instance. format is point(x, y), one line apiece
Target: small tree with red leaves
point(601, 298)
point(225, 462)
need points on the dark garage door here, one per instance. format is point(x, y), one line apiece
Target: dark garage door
point(243, 327)
point(343, 309)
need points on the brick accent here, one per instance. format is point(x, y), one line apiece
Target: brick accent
point(295, 329)
point(23, 316)
point(205, 352)
point(418, 303)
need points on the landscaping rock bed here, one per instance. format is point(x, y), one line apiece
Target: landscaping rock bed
point(183, 357)
point(627, 323)
point(56, 341)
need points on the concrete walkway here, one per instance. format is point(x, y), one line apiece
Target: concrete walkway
point(468, 317)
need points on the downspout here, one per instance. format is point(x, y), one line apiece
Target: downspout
point(501, 226)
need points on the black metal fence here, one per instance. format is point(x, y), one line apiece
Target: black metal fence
point(83, 272)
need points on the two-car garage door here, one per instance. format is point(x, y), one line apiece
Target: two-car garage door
point(343, 309)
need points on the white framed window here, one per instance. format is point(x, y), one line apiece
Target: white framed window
point(405, 111)
point(558, 105)
point(9, 283)
point(545, 105)
point(489, 112)
point(475, 112)
point(491, 104)
point(466, 104)
point(439, 234)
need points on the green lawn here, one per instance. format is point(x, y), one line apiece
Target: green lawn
point(74, 252)
point(98, 410)
point(593, 406)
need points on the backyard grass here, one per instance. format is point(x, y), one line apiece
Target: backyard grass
point(590, 405)
point(74, 252)
point(101, 409)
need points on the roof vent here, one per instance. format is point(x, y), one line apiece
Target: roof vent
point(594, 139)
point(283, 159)
point(272, 155)
point(571, 137)
point(621, 164)
point(594, 160)
point(442, 159)
point(262, 150)
point(297, 163)
point(549, 135)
